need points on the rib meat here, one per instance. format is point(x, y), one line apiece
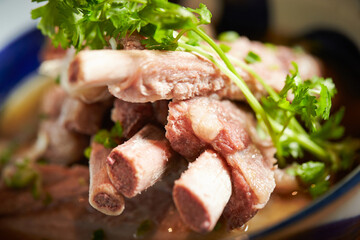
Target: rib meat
point(202, 192)
point(83, 118)
point(63, 146)
point(148, 75)
point(138, 163)
point(132, 116)
point(102, 194)
point(229, 131)
point(52, 102)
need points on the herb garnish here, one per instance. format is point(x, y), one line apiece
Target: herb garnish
point(168, 26)
point(252, 57)
point(107, 138)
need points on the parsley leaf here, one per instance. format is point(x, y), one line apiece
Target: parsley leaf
point(229, 36)
point(252, 57)
point(108, 138)
point(87, 152)
point(313, 175)
point(20, 175)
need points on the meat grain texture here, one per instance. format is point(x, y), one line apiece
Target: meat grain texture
point(148, 75)
point(227, 129)
point(140, 162)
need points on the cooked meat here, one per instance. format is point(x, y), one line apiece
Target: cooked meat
point(64, 212)
point(81, 117)
point(64, 147)
point(132, 42)
point(161, 110)
point(308, 65)
point(202, 192)
point(132, 116)
point(144, 75)
point(253, 182)
point(285, 183)
point(180, 134)
point(52, 102)
point(59, 185)
point(102, 194)
point(138, 163)
point(228, 130)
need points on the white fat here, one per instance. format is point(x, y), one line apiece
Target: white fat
point(204, 122)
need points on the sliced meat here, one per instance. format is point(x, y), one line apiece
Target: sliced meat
point(309, 66)
point(64, 147)
point(83, 118)
point(241, 207)
point(60, 183)
point(147, 75)
point(102, 194)
point(65, 213)
point(203, 191)
point(138, 163)
point(180, 134)
point(52, 102)
point(132, 116)
point(229, 131)
point(132, 42)
point(161, 110)
point(285, 183)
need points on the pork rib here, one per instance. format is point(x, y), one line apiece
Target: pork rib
point(148, 75)
point(102, 194)
point(81, 117)
point(228, 130)
point(202, 191)
point(132, 116)
point(138, 163)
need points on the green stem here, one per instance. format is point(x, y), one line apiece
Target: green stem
point(304, 140)
point(253, 102)
point(300, 136)
point(267, 87)
point(180, 34)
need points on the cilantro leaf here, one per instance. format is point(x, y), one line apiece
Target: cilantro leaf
point(20, 175)
point(108, 138)
point(87, 152)
point(224, 47)
point(229, 36)
point(252, 57)
point(313, 175)
point(204, 14)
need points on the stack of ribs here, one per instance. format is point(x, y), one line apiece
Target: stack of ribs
point(175, 105)
point(230, 170)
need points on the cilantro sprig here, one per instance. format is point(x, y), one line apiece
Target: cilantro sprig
point(313, 175)
point(303, 124)
point(108, 138)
